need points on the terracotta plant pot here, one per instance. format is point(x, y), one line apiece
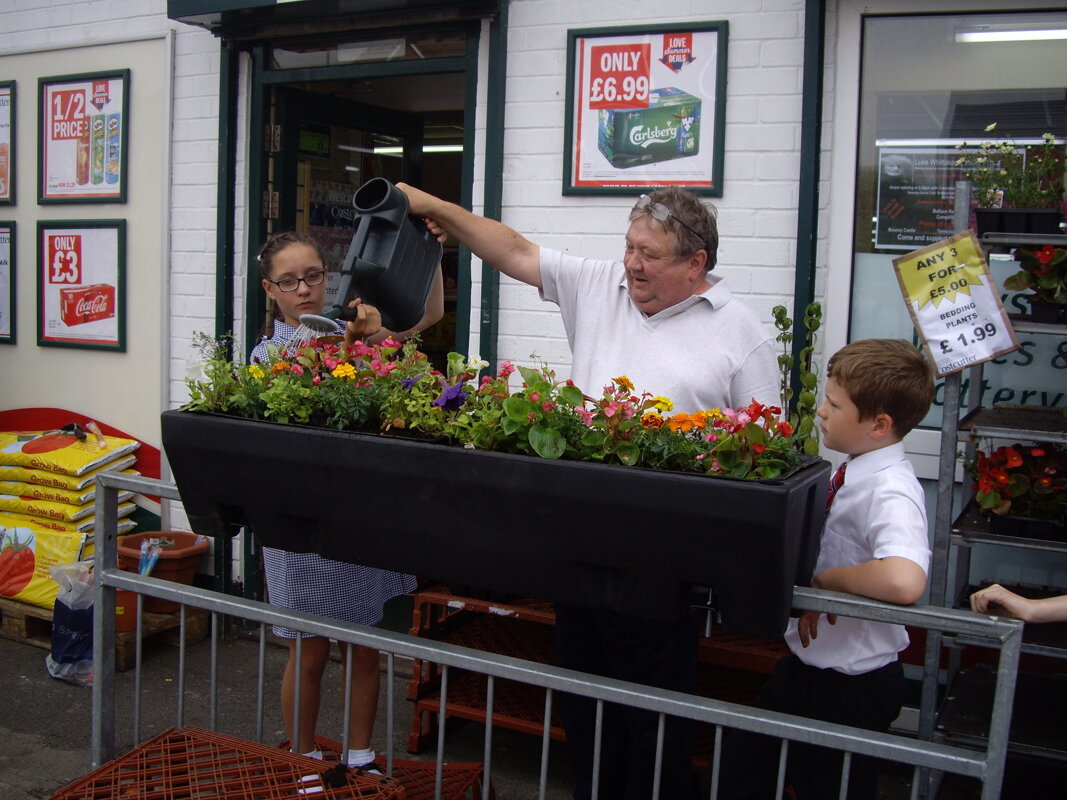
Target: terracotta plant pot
point(635, 540)
point(177, 562)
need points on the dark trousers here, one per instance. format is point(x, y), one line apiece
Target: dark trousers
point(648, 651)
point(750, 762)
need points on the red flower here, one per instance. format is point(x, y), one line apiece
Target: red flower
point(1013, 458)
point(1045, 254)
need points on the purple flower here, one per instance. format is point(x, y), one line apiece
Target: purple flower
point(452, 398)
point(407, 383)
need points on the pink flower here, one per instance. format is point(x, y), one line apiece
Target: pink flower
point(610, 408)
point(297, 369)
point(587, 418)
point(505, 369)
point(535, 396)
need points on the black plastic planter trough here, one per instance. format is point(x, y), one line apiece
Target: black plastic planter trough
point(635, 540)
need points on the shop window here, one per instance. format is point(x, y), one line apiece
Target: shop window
point(926, 86)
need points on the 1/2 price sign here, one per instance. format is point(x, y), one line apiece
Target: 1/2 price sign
point(955, 304)
point(83, 138)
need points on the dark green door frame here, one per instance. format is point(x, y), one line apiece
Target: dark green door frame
point(264, 79)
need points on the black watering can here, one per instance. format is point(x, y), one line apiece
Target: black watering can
point(390, 263)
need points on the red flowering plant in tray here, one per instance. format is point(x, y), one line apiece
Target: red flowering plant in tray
point(1022, 480)
point(1044, 273)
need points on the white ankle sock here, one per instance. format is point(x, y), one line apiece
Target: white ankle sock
point(313, 754)
point(357, 758)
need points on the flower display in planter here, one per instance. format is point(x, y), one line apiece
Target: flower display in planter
point(1022, 480)
point(1043, 273)
point(393, 388)
point(1008, 175)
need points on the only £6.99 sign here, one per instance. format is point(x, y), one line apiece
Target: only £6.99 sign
point(954, 303)
point(618, 76)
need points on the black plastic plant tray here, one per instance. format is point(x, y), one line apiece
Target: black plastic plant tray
point(631, 539)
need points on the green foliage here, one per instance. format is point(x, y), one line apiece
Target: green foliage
point(392, 387)
point(802, 412)
point(1009, 175)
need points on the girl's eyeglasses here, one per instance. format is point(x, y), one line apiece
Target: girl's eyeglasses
point(662, 213)
point(291, 284)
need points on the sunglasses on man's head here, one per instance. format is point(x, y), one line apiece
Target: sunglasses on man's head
point(662, 213)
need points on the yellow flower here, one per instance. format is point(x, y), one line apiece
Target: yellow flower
point(344, 371)
point(662, 404)
point(256, 372)
point(624, 383)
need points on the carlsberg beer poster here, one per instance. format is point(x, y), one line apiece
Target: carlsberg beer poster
point(645, 107)
point(954, 303)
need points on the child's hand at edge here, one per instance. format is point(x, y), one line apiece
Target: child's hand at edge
point(808, 626)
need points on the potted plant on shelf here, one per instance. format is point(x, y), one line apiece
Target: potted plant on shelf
point(1044, 275)
point(1017, 188)
point(369, 454)
point(1023, 489)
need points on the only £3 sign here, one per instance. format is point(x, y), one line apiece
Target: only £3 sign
point(954, 303)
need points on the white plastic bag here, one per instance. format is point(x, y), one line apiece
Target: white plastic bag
point(71, 658)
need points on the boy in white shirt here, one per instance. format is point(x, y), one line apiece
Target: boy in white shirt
point(874, 544)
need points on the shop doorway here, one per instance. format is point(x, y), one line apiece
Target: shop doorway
point(330, 137)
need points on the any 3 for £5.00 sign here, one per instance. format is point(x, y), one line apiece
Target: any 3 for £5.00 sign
point(954, 303)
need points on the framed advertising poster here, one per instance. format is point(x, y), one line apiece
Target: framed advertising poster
point(7, 143)
point(81, 284)
point(7, 282)
point(645, 108)
point(84, 130)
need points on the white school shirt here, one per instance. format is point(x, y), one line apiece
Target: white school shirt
point(708, 351)
point(880, 511)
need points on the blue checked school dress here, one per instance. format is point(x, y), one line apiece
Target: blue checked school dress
point(310, 583)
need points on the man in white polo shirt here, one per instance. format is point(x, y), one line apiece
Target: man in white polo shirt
point(659, 317)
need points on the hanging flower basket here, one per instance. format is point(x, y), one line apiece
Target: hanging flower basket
point(631, 539)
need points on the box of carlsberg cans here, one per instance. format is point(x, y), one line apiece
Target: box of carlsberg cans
point(669, 128)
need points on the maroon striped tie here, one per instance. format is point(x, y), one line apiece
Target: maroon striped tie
point(836, 482)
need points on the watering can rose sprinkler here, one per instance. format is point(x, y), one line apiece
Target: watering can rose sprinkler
point(390, 263)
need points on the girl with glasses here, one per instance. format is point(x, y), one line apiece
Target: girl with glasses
point(294, 276)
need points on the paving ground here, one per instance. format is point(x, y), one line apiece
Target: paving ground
point(45, 724)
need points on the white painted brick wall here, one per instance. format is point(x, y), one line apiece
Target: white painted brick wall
point(757, 214)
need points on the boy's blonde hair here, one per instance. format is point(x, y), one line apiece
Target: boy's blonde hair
point(885, 376)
